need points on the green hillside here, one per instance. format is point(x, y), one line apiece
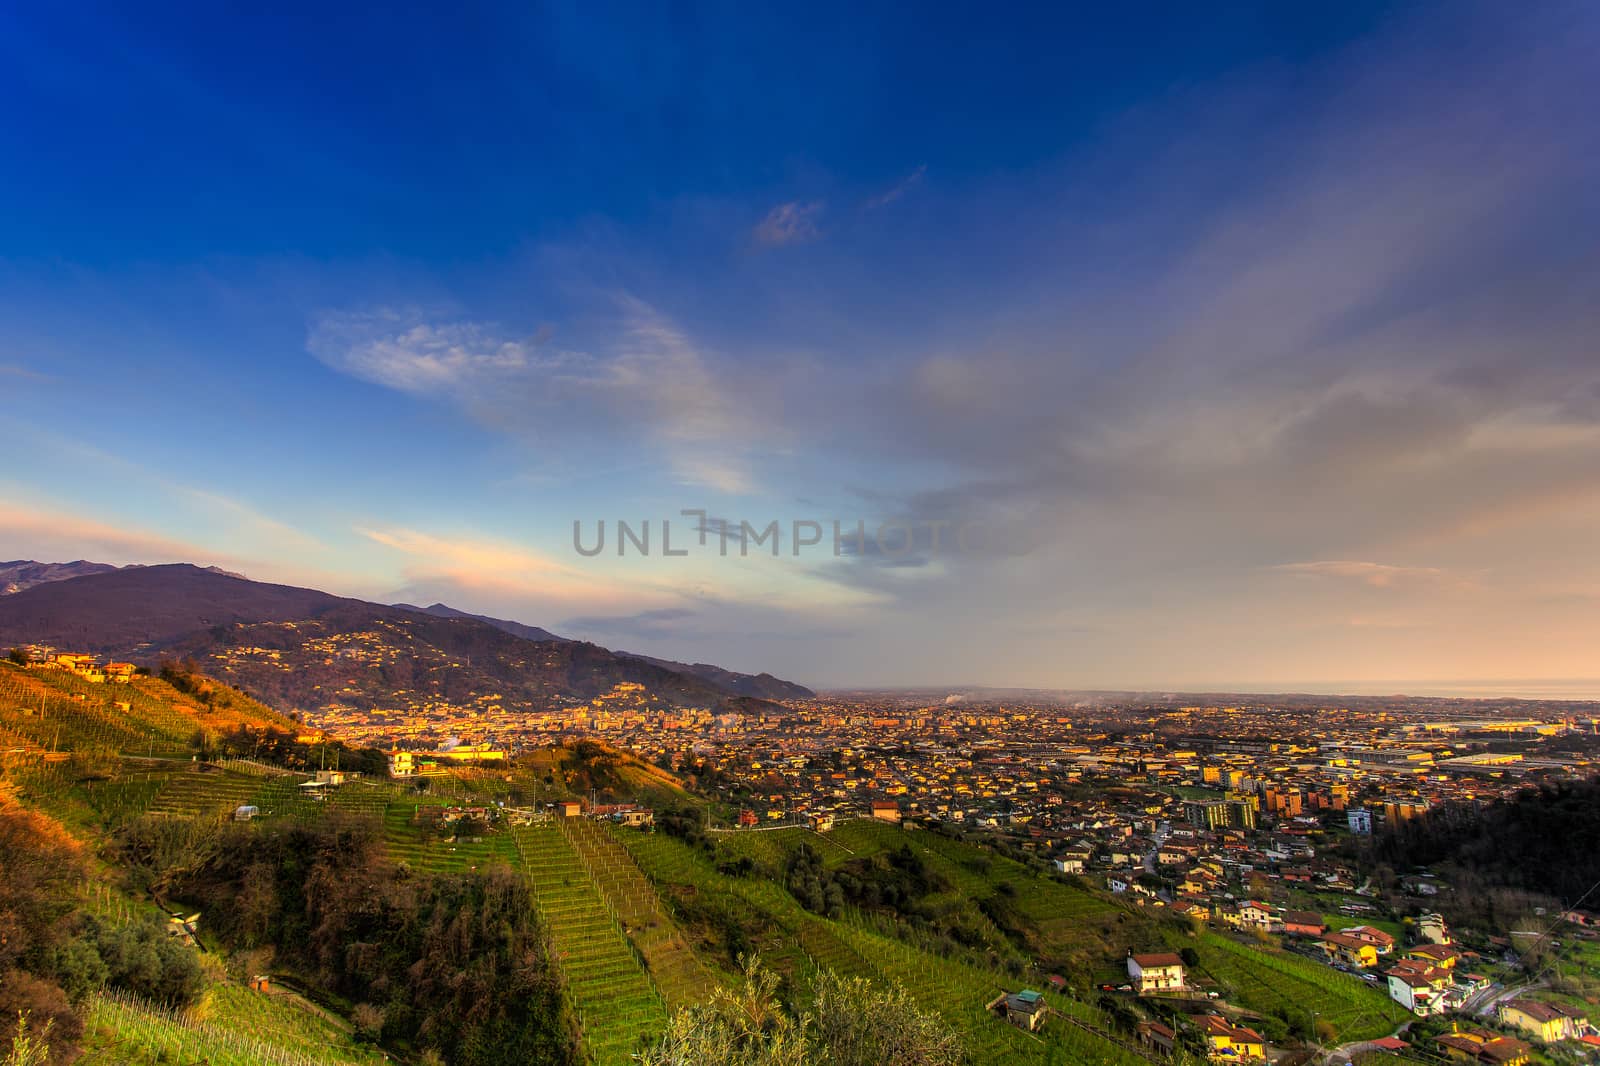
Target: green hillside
point(333, 895)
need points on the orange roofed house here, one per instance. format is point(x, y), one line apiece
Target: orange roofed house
point(1490, 1048)
point(120, 673)
point(1382, 942)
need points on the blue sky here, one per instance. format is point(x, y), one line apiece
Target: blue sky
point(1260, 342)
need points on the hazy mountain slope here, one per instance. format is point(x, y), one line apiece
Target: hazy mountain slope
point(126, 610)
point(365, 656)
point(517, 629)
point(21, 574)
point(758, 686)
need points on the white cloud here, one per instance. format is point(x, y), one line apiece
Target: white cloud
point(790, 223)
point(398, 349)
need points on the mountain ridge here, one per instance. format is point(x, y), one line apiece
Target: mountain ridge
point(312, 650)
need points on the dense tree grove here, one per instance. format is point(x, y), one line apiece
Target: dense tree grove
point(457, 964)
point(896, 882)
point(685, 823)
point(282, 749)
point(1544, 841)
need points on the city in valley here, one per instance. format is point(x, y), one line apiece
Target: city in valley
point(822, 534)
point(1172, 866)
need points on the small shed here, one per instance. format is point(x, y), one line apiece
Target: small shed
point(245, 811)
point(1024, 1009)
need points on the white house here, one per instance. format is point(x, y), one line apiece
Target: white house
point(1156, 973)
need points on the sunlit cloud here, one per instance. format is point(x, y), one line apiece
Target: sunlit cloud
point(507, 573)
point(50, 535)
point(1375, 575)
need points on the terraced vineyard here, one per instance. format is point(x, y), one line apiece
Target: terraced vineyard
point(125, 796)
point(1268, 980)
point(796, 940)
point(770, 847)
point(405, 842)
point(191, 792)
point(617, 1006)
point(677, 971)
point(1079, 1034)
point(233, 1027)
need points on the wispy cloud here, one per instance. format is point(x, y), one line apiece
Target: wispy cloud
point(248, 523)
point(651, 383)
point(22, 373)
point(398, 348)
point(1375, 575)
point(499, 571)
point(790, 223)
point(898, 189)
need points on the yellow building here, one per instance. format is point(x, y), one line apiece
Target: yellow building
point(1226, 1042)
point(1349, 950)
point(1550, 1022)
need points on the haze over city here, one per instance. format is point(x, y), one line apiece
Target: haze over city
point(1265, 340)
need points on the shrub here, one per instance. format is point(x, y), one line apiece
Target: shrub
point(144, 960)
point(854, 1024)
point(26, 1048)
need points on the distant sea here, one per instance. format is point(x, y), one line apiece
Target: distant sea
point(1511, 688)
